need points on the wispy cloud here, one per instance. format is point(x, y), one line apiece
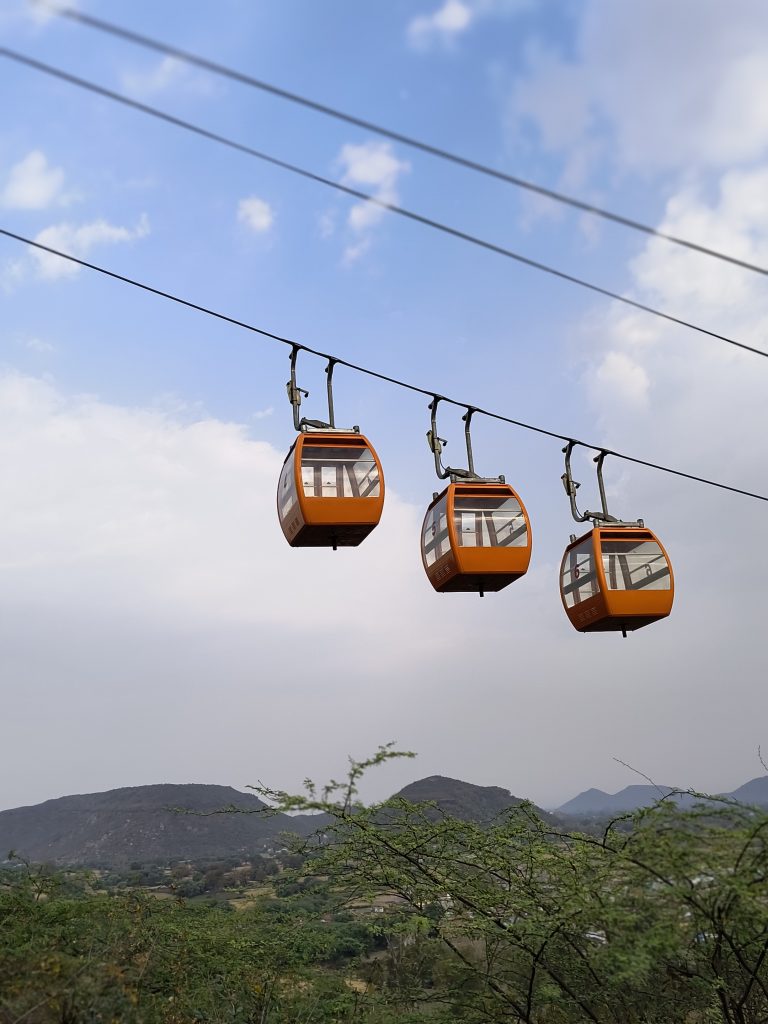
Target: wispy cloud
point(444, 24)
point(33, 184)
point(76, 240)
point(652, 110)
point(256, 214)
point(326, 223)
point(355, 252)
point(168, 73)
point(372, 166)
point(453, 18)
point(649, 379)
point(12, 274)
point(38, 345)
point(41, 13)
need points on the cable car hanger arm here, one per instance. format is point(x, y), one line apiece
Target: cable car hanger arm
point(437, 443)
point(571, 486)
point(294, 391)
point(301, 423)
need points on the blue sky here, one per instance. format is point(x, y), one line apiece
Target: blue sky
point(142, 440)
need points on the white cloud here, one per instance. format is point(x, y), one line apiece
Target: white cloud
point(372, 167)
point(326, 223)
point(169, 72)
point(691, 402)
point(40, 12)
point(453, 18)
point(447, 22)
point(735, 223)
point(12, 275)
point(79, 240)
point(32, 184)
point(144, 547)
point(628, 80)
point(553, 97)
point(695, 402)
point(355, 252)
point(619, 380)
point(39, 346)
point(149, 602)
point(155, 79)
point(256, 213)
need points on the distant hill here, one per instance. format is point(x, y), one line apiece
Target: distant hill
point(753, 792)
point(461, 799)
point(596, 803)
point(138, 824)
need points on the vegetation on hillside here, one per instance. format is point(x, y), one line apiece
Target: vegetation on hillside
point(399, 912)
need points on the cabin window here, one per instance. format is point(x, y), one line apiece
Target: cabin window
point(286, 490)
point(490, 522)
point(635, 565)
point(339, 472)
point(578, 580)
point(435, 541)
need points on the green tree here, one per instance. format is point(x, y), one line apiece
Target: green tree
point(662, 918)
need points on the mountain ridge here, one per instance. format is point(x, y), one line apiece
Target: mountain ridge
point(464, 800)
point(143, 824)
point(596, 802)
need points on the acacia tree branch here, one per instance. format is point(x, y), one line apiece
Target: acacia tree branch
point(492, 983)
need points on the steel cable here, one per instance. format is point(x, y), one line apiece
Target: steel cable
point(478, 410)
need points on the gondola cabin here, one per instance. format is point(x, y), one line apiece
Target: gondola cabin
point(616, 578)
point(476, 537)
point(331, 490)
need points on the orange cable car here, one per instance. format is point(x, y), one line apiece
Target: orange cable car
point(331, 488)
point(618, 576)
point(476, 535)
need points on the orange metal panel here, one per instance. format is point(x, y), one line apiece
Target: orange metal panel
point(624, 604)
point(617, 609)
point(512, 561)
point(325, 522)
point(473, 569)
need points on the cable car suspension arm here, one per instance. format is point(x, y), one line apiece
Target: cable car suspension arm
point(571, 486)
point(437, 443)
point(295, 393)
point(329, 371)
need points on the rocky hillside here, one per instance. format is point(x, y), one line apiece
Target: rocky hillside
point(143, 824)
point(140, 824)
point(461, 799)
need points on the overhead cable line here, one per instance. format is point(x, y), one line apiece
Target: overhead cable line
point(401, 211)
point(407, 140)
point(357, 368)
